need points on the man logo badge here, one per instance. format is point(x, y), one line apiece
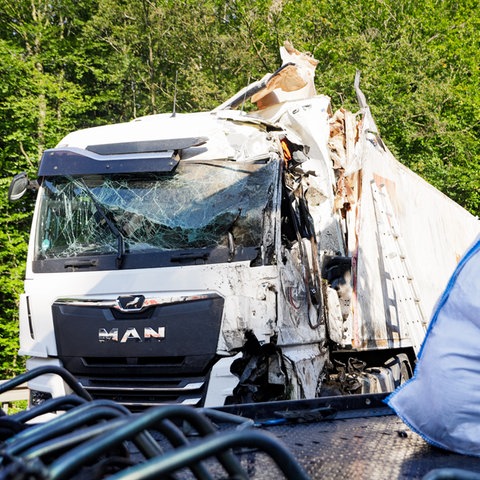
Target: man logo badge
point(130, 303)
point(131, 333)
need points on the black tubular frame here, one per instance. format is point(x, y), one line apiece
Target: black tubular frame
point(88, 430)
point(52, 405)
point(184, 457)
point(65, 466)
point(67, 377)
point(83, 415)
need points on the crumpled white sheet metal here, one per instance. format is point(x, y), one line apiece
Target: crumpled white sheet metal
point(442, 400)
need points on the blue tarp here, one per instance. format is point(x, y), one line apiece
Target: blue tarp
point(442, 400)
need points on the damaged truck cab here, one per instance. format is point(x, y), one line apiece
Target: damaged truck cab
point(157, 267)
point(217, 257)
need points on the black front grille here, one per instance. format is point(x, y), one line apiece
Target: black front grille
point(177, 361)
point(134, 368)
point(139, 394)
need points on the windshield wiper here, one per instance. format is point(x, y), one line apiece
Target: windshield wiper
point(112, 227)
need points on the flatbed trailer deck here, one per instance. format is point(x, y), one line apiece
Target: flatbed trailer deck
point(359, 438)
point(346, 437)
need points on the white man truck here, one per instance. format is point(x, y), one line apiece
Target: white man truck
point(234, 256)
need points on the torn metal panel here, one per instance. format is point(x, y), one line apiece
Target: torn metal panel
point(335, 321)
point(306, 368)
point(260, 371)
point(299, 319)
point(293, 80)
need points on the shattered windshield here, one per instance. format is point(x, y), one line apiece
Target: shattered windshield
point(199, 205)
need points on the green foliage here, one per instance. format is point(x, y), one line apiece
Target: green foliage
point(68, 65)
point(15, 221)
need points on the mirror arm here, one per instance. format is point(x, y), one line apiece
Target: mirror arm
point(33, 185)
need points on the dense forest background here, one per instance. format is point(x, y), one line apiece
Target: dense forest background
point(70, 64)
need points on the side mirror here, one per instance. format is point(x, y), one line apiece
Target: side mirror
point(20, 184)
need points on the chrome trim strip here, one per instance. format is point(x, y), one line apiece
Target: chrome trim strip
point(188, 401)
point(148, 302)
point(187, 388)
